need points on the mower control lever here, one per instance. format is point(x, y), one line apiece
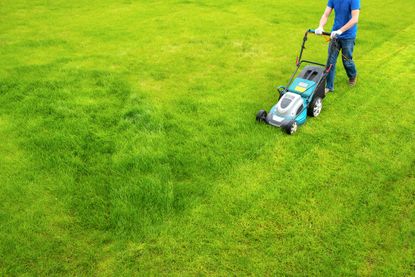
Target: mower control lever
point(314, 31)
point(328, 69)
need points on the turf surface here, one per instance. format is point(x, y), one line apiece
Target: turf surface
point(128, 142)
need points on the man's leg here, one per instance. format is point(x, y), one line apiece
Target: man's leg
point(347, 46)
point(334, 49)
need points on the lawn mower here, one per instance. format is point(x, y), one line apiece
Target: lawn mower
point(303, 95)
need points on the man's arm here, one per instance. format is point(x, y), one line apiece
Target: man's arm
point(323, 20)
point(353, 21)
point(325, 17)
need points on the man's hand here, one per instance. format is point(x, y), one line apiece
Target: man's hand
point(319, 31)
point(335, 34)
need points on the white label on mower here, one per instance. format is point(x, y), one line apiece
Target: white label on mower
point(277, 118)
point(302, 84)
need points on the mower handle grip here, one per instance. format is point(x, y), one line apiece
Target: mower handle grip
point(314, 31)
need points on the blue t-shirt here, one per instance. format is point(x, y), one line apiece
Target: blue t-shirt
point(343, 10)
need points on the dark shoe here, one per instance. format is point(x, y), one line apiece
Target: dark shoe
point(352, 81)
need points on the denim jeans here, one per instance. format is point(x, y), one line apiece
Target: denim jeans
point(346, 46)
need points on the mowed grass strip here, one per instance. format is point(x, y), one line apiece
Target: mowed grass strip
point(128, 142)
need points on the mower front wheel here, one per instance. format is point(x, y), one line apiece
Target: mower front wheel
point(291, 128)
point(261, 115)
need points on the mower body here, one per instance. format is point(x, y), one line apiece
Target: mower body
point(302, 96)
point(294, 102)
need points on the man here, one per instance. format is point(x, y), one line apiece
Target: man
point(343, 37)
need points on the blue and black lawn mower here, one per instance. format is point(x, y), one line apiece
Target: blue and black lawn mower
point(303, 95)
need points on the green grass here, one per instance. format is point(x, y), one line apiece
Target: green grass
point(128, 143)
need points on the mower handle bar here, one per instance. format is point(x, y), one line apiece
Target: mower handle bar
point(299, 58)
point(314, 31)
point(305, 40)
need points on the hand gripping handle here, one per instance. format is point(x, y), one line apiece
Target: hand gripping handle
point(314, 31)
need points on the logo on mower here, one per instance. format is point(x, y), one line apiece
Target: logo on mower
point(301, 87)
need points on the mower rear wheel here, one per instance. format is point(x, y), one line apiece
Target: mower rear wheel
point(261, 115)
point(315, 107)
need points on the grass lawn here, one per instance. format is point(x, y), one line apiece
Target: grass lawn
point(128, 142)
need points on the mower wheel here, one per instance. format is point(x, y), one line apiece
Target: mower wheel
point(314, 109)
point(291, 128)
point(261, 115)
